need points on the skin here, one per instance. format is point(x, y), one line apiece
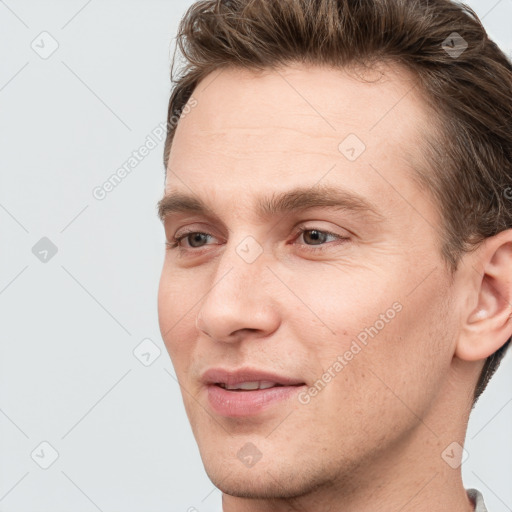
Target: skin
point(373, 438)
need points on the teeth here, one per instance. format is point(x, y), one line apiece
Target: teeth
point(247, 386)
point(251, 386)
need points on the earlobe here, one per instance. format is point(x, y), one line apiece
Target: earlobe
point(488, 326)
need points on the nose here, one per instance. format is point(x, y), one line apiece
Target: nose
point(240, 301)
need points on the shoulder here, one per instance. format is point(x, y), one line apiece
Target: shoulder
point(476, 497)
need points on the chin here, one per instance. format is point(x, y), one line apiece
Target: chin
point(267, 479)
point(259, 485)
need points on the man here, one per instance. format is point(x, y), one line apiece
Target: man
point(336, 289)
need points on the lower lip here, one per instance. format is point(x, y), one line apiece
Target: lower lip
point(247, 403)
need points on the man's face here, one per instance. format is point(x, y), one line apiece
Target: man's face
point(350, 316)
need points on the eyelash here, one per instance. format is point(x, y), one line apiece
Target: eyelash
point(175, 244)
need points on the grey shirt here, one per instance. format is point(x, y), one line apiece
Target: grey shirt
point(477, 498)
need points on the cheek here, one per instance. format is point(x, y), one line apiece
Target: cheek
point(174, 312)
point(408, 361)
point(165, 305)
point(344, 304)
point(376, 337)
point(375, 391)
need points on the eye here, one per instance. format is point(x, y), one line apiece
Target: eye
point(193, 238)
point(318, 238)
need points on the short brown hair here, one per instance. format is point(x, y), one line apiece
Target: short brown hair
point(470, 93)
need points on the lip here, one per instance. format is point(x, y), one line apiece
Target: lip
point(235, 377)
point(232, 403)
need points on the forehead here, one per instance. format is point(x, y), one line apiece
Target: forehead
point(314, 101)
point(275, 129)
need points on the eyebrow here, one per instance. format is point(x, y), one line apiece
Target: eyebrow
point(297, 199)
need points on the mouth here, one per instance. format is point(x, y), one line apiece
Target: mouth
point(248, 392)
point(250, 386)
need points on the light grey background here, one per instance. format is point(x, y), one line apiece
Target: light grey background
point(69, 326)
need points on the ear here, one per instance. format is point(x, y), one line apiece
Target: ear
point(488, 326)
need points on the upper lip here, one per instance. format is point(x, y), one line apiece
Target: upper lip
point(234, 377)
